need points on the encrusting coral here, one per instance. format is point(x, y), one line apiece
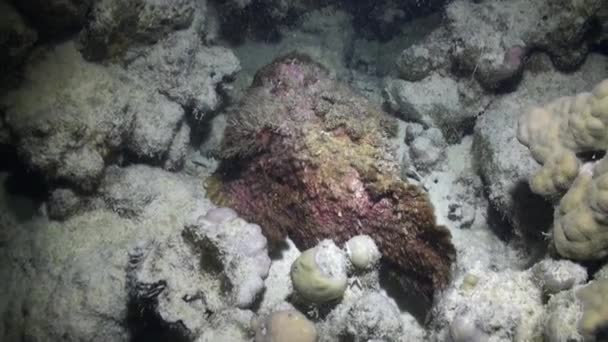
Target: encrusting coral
point(305, 156)
point(555, 134)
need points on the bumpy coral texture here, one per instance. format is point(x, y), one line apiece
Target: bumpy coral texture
point(306, 157)
point(556, 132)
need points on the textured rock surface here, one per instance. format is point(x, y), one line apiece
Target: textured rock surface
point(82, 116)
point(218, 261)
point(490, 306)
point(16, 38)
point(433, 101)
point(55, 16)
point(305, 157)
point(88, 115)
point(489, 40)
point(66, 280)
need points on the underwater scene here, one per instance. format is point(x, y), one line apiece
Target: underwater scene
point(303, 170)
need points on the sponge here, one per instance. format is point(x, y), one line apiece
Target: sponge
point(556, 132)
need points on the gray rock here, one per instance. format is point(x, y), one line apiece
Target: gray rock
point(373, 316)
point(186, 71)
point(156, 122)
point(427, 149)
point(421, 59)
point(490, 40)
point(559, 275)
point(434, 102)
point(16, 38)
point(117, 25)
point(602, 273)
point(78, 117)
point(88, 115)
point(63, 203)
point(66, 281)
point(55, 16)
point(228, 325)
point(218, 261)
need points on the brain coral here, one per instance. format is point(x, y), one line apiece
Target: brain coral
point(305, 156)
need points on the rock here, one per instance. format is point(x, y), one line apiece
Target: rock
point(368, 316)
point(434, 102)
point(319, 274)
point(77, 119)
point(118, 25)
point(420, 60)
point(186, 71)
point(55, 17)
point(63, 203)
point(16, 38)
point(88, 115)
point(373, 316)
point(363, 252)
point(490, 40)
point(67, 280)
point(496, 306)
point(168, 279)
point(228, 325)
point(579, 314)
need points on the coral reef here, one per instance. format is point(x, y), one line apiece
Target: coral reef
point(82, 118)
point(306, 157)
point(489, 40)
point(55, 17)
point(67, 280)
point(556, 135)
point(222, 252)
point(118, 25)
point(490, 306)
point(16, 39)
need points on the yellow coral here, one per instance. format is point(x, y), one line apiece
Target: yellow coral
point(595, 309)
point(581, 220)
point(556, 132)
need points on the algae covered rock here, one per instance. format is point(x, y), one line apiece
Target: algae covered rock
point(305, 156)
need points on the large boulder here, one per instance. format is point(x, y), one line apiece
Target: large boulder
point(67, 280)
